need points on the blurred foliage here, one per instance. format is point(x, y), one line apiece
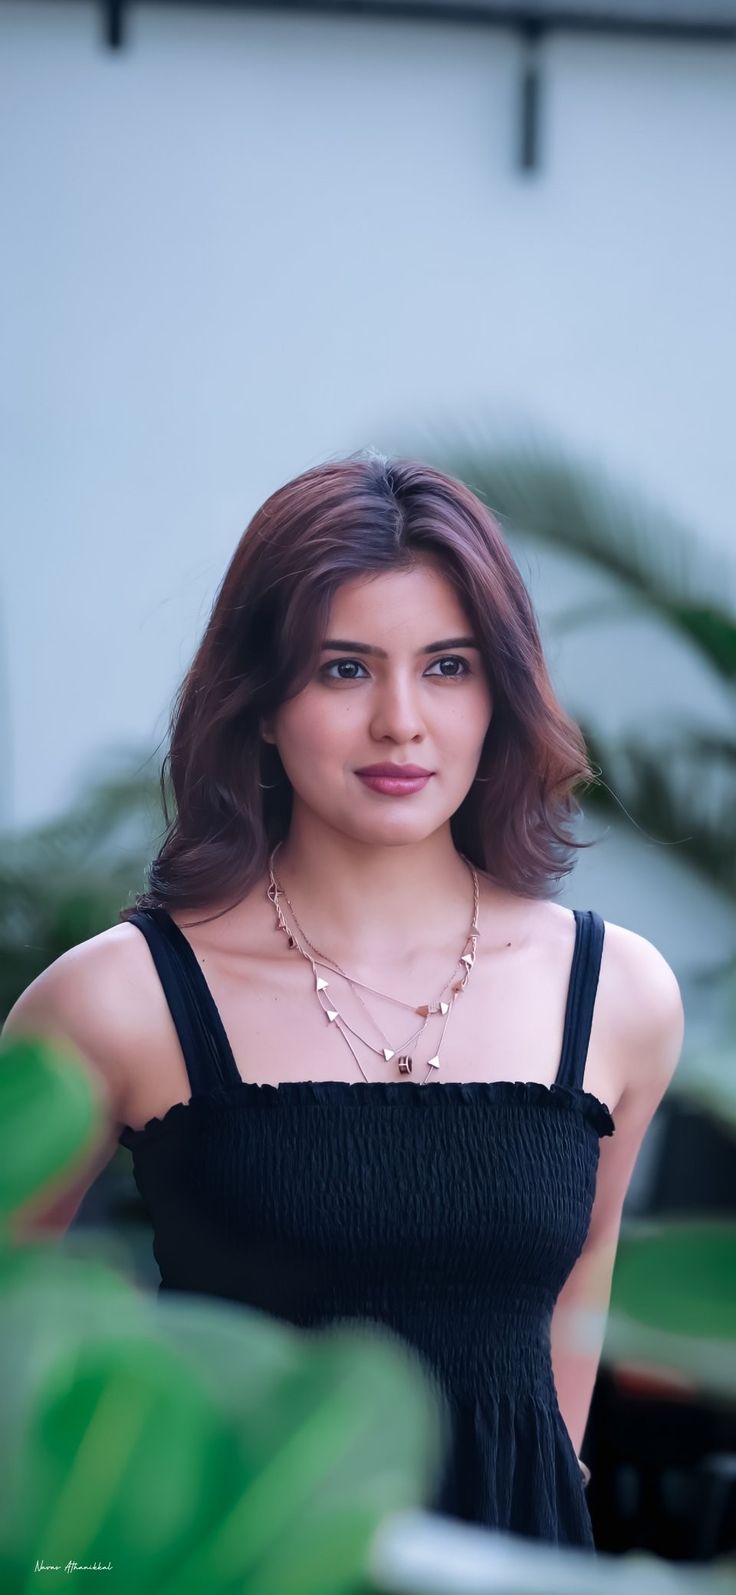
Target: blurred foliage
point(66, 880)
point(185, 1445)
point(673, 1302)
point(650, 1274)
point(707, 1077)
point(656, 565)
point(193, 1445)
point(681, 790)
point(54, 1116)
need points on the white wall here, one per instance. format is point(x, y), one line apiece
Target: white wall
point(250, 240)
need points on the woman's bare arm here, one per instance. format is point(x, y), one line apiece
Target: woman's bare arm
point(83, 1000)
point(646, 1019)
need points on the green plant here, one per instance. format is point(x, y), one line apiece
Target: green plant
point(673, 1301)
point(65, 880)
point(191, 1444)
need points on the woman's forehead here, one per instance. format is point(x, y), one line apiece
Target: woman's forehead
point(415, 595)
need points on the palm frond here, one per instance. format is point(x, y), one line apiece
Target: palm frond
point(678, 792)
point(657, 563)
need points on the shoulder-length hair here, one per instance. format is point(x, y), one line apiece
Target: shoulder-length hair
point(344, 519)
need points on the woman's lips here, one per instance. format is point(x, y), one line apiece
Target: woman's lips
point(394, 785)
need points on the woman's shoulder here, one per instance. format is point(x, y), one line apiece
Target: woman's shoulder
point(630, 964)
point(97, 998)
point(100, 996)
point(642, 1010)
point(639, 1016)
point(643, 979)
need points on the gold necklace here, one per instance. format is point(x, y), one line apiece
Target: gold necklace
point(425, 1010)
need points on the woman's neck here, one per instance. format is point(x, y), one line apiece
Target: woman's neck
point(383, 903)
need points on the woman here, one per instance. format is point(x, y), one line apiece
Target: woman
point(353, 907)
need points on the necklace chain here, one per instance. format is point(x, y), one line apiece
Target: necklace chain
point(425, 1010)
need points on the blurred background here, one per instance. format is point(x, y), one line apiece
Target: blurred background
point(240, 239)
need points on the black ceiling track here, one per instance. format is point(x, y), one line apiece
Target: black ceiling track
point(681, 23)
point(687, 23)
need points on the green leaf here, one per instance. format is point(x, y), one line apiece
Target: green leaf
point(301, 1442)
point(536, 490)
point(679, 1276)
point(50, 1117)
point(354, 1430)
point(127, 1460)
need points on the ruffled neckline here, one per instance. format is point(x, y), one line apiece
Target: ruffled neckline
point(393, 1093)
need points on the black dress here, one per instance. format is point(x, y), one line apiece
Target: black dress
point(451, 1212)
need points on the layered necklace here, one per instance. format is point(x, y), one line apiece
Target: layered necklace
point(442, 1006)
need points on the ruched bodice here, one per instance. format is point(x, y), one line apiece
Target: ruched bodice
point(452, 1213)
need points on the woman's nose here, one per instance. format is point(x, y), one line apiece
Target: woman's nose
point(397, 711)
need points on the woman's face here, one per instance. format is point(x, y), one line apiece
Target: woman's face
point(406, 685)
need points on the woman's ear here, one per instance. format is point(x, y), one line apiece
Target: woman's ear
point(266, 732)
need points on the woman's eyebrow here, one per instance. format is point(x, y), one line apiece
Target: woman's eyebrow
point(341, 644)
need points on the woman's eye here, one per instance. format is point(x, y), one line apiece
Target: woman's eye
point(341, 664)
point(454, 659)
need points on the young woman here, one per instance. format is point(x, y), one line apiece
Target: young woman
point(366, 1066)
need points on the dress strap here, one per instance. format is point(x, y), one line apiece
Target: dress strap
point(586, 964)
point(207, 1052)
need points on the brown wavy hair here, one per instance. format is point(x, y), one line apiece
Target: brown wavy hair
point(347, 518)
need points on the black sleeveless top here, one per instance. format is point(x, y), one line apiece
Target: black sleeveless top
point(451, 1213)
